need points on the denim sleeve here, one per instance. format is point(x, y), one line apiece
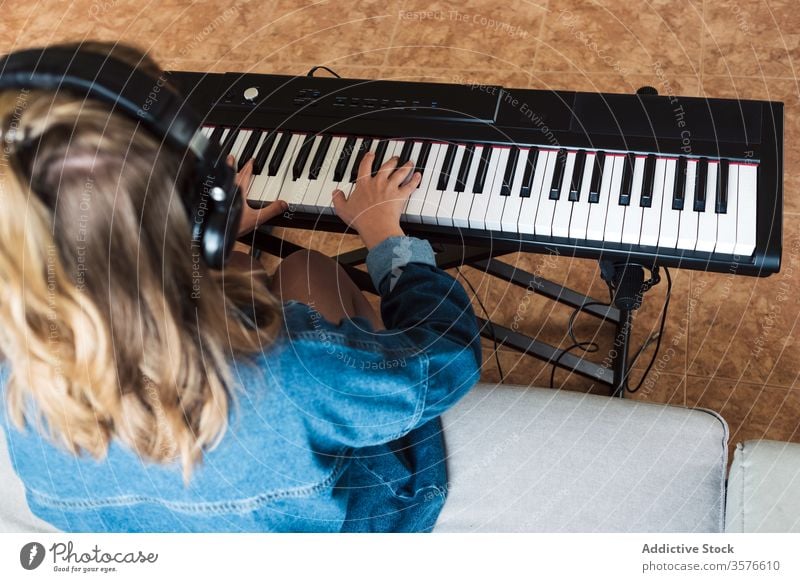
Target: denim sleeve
point(376, 386)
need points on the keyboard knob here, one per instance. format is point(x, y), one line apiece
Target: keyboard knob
point(251, 94)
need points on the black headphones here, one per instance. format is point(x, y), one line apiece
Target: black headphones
point(213, 203)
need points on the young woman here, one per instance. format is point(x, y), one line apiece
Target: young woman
point(144, 392)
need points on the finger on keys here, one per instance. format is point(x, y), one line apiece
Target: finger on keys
point(401, 174)
point(244, 178)
point(407, 188)
point(365, 167)
point(338, 200)
point(389, 166)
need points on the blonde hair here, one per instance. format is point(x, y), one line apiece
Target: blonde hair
point(110, 323)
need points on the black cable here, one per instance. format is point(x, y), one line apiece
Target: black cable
point(313, 70)
point(588, 347)
point(652, 338)
point(488, 320)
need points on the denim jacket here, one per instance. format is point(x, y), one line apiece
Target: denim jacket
point(334, 427)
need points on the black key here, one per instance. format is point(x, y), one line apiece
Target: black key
point(263, 153)
point(700, 185)
point(447, 167)
point(380, 152)
point(527, 176)
point(405, 153)
point(511, 167)
point(319, 157)
point(680, 184)
point(422, 160)
point(483, 167)
point(577, 176)
point(216, 135)
point(228, 143)
point(627, 179)
point(249, 149)
point(302, 156)
point(344, 157)
point(466, 162)
point(721, 205)
point(366, 143)
point(648, 181)
point(558, 174)
point(280, 152)
point(597, 176)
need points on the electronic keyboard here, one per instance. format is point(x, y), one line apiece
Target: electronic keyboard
point(656, 180)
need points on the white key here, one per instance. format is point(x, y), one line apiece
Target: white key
point(746, 210)
point(480, 203)
point(415, 150)
point(433, 196)
point(707, 223)
point(527, 211)
point(344, 184)
point(416, 201)
point(465, 198)
point(318, 195)
point(595, 229)
point(726, 223)
point(632, 228)
point(275, 186)
point(562, 214)
point(511, 211)
point(651, 217)
point(687, 230)
point(581, 208)
point(670, 219)
point(615, 215)
point(239, 143)
point(296, 189)
point(206, 131)
point(543, 225)
point(449, 196)
point(496, 203)
point(260, 181)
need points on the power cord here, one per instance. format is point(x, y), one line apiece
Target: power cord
point(488, 320)
point(313, 70)
point(654, 337)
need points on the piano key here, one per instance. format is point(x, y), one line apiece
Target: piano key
point(563, 210)
point(701, 177)
point(394, 150)
point(319, 157)
point(380, 155)
point(721, 198)
point(596, 226)
point(302, 156)
point(726, 221)
point(327, 181)
point(597, 177)
point(558, 174)
point(707, 222)
point(483, 167)
point(678, 196)
point(513, 206)
point(508, 173)
point(446, 167)
point(263, 151)
point(482, 198)
point(465, 199)
point(421, 164)
point(217, 134)
point(228, 141)
point(530, 169)
point(416, 201)
point(632, 229)
point(249, 149)
point(365, 146)
point(496, 201)
point(746, 210)
point(648, 182)
point(448, 196)
point(651, 215)
point(207, 130)
point(279, 153)
point(345, 153)
point(543, 224)
point(405, 154)
point(670, 219)
point(627, 179)
point(577, 175)
point(463, 171)
point(615, 214)
point(687, 232)
point(413, 155)
point(433, 195)
point(582, 206)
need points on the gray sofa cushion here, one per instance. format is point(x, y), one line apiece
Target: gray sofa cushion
point(764, 488)
point(535, 460)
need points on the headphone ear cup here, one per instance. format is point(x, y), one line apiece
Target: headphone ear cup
point(220, 231)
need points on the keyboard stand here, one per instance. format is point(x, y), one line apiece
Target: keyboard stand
point(627, 299)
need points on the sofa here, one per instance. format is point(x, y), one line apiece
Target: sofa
point(535, 460)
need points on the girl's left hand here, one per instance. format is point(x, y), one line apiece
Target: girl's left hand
point(252, 218)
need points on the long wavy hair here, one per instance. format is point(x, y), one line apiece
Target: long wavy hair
point(111, 326)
